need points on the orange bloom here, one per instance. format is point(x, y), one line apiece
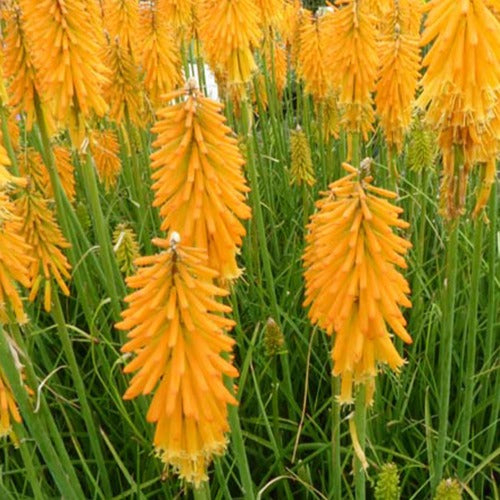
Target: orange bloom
point(42, 233)
point(178, 332)
point(198, 179)
point(105, 151)
point(398, 71)
point(123, 90)
point(461, 90)
point(352, 284)
point(66, 59)
point(276, 65)
point(270, 12)
point(229, 30)
point(121, 20)
point(179, 13)
point(14, 261)
point(66, 173)
point(352, 35)
point(160, 59)
point(8, 407)
point(6, 177)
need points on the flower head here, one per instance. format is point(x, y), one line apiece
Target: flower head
point(198, 180)
point(177, 330)
point(105, 151)
point(8, 407)
point(352, 283)
point(301, 169)
point(126, 248)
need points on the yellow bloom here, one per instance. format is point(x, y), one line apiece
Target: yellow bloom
point(353, 55)
point(123, 90)
point(42, 233)
point(276, 65)
point(126, 248)
point(179, 13)
point(198, 179)
point(160, 59)
point(121, 20)
point(66, 59)
point(178, 332)
point(8, 407)
point(14, 261)
point(270, 12)
point(66, 173)
point(293, 16)
point(352, 284)
point(301, 169)
point(461, 90)
point(398, 71)
point(31, 166)
point(312, 66)
point(105, 151)
point(6, 177)
point(229, 30)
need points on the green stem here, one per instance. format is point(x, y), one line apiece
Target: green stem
point(6, 140)
point(37, 428)
point(202, 492)
point(58, 316)
point(360, 419)
point(446, 350)
point(336, 463)
point(471, 340)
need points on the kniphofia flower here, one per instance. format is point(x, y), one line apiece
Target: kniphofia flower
point(461, 90)
point(105, 150)
point(276, 64)
point(15, 260)
point(229, 30)
point(352, 34)
point(121, 20)
point(177, 330)
point(398, 71)
point(179, 13)
point(160, 59)
point(66, 59)
point(8, 407)
point(66, 173)
point(353, 286)
point(126, 248)
point(198, 179)
point(301, 168)
point(41, 231)
point(270, 12)
point(6, 177)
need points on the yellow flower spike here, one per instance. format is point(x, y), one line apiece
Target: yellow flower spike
point(461, 90)
point(398, 72)
point(8, 408)
point(330, 116)
point(66, 172)
point(179, 13)
point(293, 15)
point(229, 30)
point(6, 177)
point(126, 248)
point(270, 12)
point(352, 34)
point(301, 168)
point(32, 167)
point(160, 59)
point(275, 59)
point(42, 233)
point(177, 329)
point(15, 260)
point(312, 67)
point(66, 58)
point(198, 178)
point(105, 150)
point(123, 90)
point(121, 20)
point(19, 68)
point(353, 287)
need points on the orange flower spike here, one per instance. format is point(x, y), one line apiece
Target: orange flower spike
point(352, 285)
point(198, 179)
point(121, 20)
point(179, 13)
point(160, 59)
point(398, 71)
point(66, 172)
point(352, 34)
point(270, 12)
point(66, 59)
point(41, 232)
point(105, 150)
point(276, 63)
point(15, 260)
point(230, 30)
point(123, 89)
point(177, 330)
point(6, 177)
point(312, 67)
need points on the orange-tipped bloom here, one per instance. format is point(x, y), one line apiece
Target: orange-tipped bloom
point(398, 71)
point(177, 330)
point(229, 30)
point(352, 34)
point(42, 233)
point(352, 283)
point(66, 173)
point(301, 167)
point(160, 59)
point(105, 151)
point(121, 20)
point(6, 177)
point(67, 60)
point(461, 90)
point(14, 261)
point(179, 13)
point(123, 90)
point(198, 179)
point(270, 12)
point(8, 407)
point(276, 64)
point(312, 67)
point(293, 15)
